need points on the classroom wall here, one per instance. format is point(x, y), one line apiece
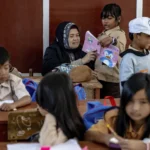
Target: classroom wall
point(21, 32)
point(86, 14)
point(146, 8)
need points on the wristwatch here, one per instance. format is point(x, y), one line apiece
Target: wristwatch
point(114, 41)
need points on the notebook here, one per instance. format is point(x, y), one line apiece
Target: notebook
point(107, 55)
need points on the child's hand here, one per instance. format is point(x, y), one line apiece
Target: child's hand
point(131, 144)
point(7, 107)
point(106, 41)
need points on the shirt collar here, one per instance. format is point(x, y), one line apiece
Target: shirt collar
point(132, 134)
point(130, 47)
point(112, 30)
point(6, 83)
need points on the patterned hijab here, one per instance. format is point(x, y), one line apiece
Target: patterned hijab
point(62, 35)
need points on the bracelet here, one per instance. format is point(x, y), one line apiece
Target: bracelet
point(147, 146)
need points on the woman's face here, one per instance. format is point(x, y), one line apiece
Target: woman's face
point(74, 38)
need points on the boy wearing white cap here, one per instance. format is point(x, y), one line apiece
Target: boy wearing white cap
point(137, 57)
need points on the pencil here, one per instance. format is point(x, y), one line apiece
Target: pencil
point(111, 129)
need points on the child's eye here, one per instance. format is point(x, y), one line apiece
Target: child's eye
point(110, 17)
point(143, 102)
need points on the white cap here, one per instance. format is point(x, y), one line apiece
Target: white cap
point(140, 25)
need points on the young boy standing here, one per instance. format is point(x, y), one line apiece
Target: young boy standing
point(137, 57)
point(11, 86)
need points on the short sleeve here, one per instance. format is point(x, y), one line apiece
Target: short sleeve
point(19, 88)
point(100, 127)
point(126, 68)
point(109, 118)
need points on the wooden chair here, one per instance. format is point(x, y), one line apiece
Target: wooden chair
point(23, 124)
point(92, 89)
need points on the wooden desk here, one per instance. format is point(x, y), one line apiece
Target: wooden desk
point(91, 146)
point(34, 78)
point(4, 119)
point(4, 115)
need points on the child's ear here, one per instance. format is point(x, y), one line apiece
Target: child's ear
point(137, 36)
point(119, 19)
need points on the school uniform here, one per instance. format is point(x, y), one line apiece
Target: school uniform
point(14, 71)
point(133, 61)
point(110, 118)
point(49, 134)
point(109, 77)
point(13, 89)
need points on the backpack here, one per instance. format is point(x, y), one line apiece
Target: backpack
point(31, 87)
point(95, 111)
point(80, 92)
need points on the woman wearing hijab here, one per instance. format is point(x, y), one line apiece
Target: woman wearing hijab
point(66, 48)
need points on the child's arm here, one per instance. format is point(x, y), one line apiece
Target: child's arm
point(133, 144)
point(120, 40)
point(19, 93)
point(126, 68)
point(22, 102)
point(98, 133)
point(98, 137)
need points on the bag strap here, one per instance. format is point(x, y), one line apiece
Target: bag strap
point(111, 99)
point(13, 92)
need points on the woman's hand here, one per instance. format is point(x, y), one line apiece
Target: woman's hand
point(94, 74)
point(90, 56)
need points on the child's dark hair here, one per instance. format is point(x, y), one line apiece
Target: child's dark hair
point(55, 94)
point(131, 36)
point(135, 83)
point(4, 55)
point(113, 10)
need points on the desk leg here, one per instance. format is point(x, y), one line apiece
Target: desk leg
point(3, 132)
point(97, 93)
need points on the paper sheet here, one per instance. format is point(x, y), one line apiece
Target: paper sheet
point(6, 101)
point(69, 145)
